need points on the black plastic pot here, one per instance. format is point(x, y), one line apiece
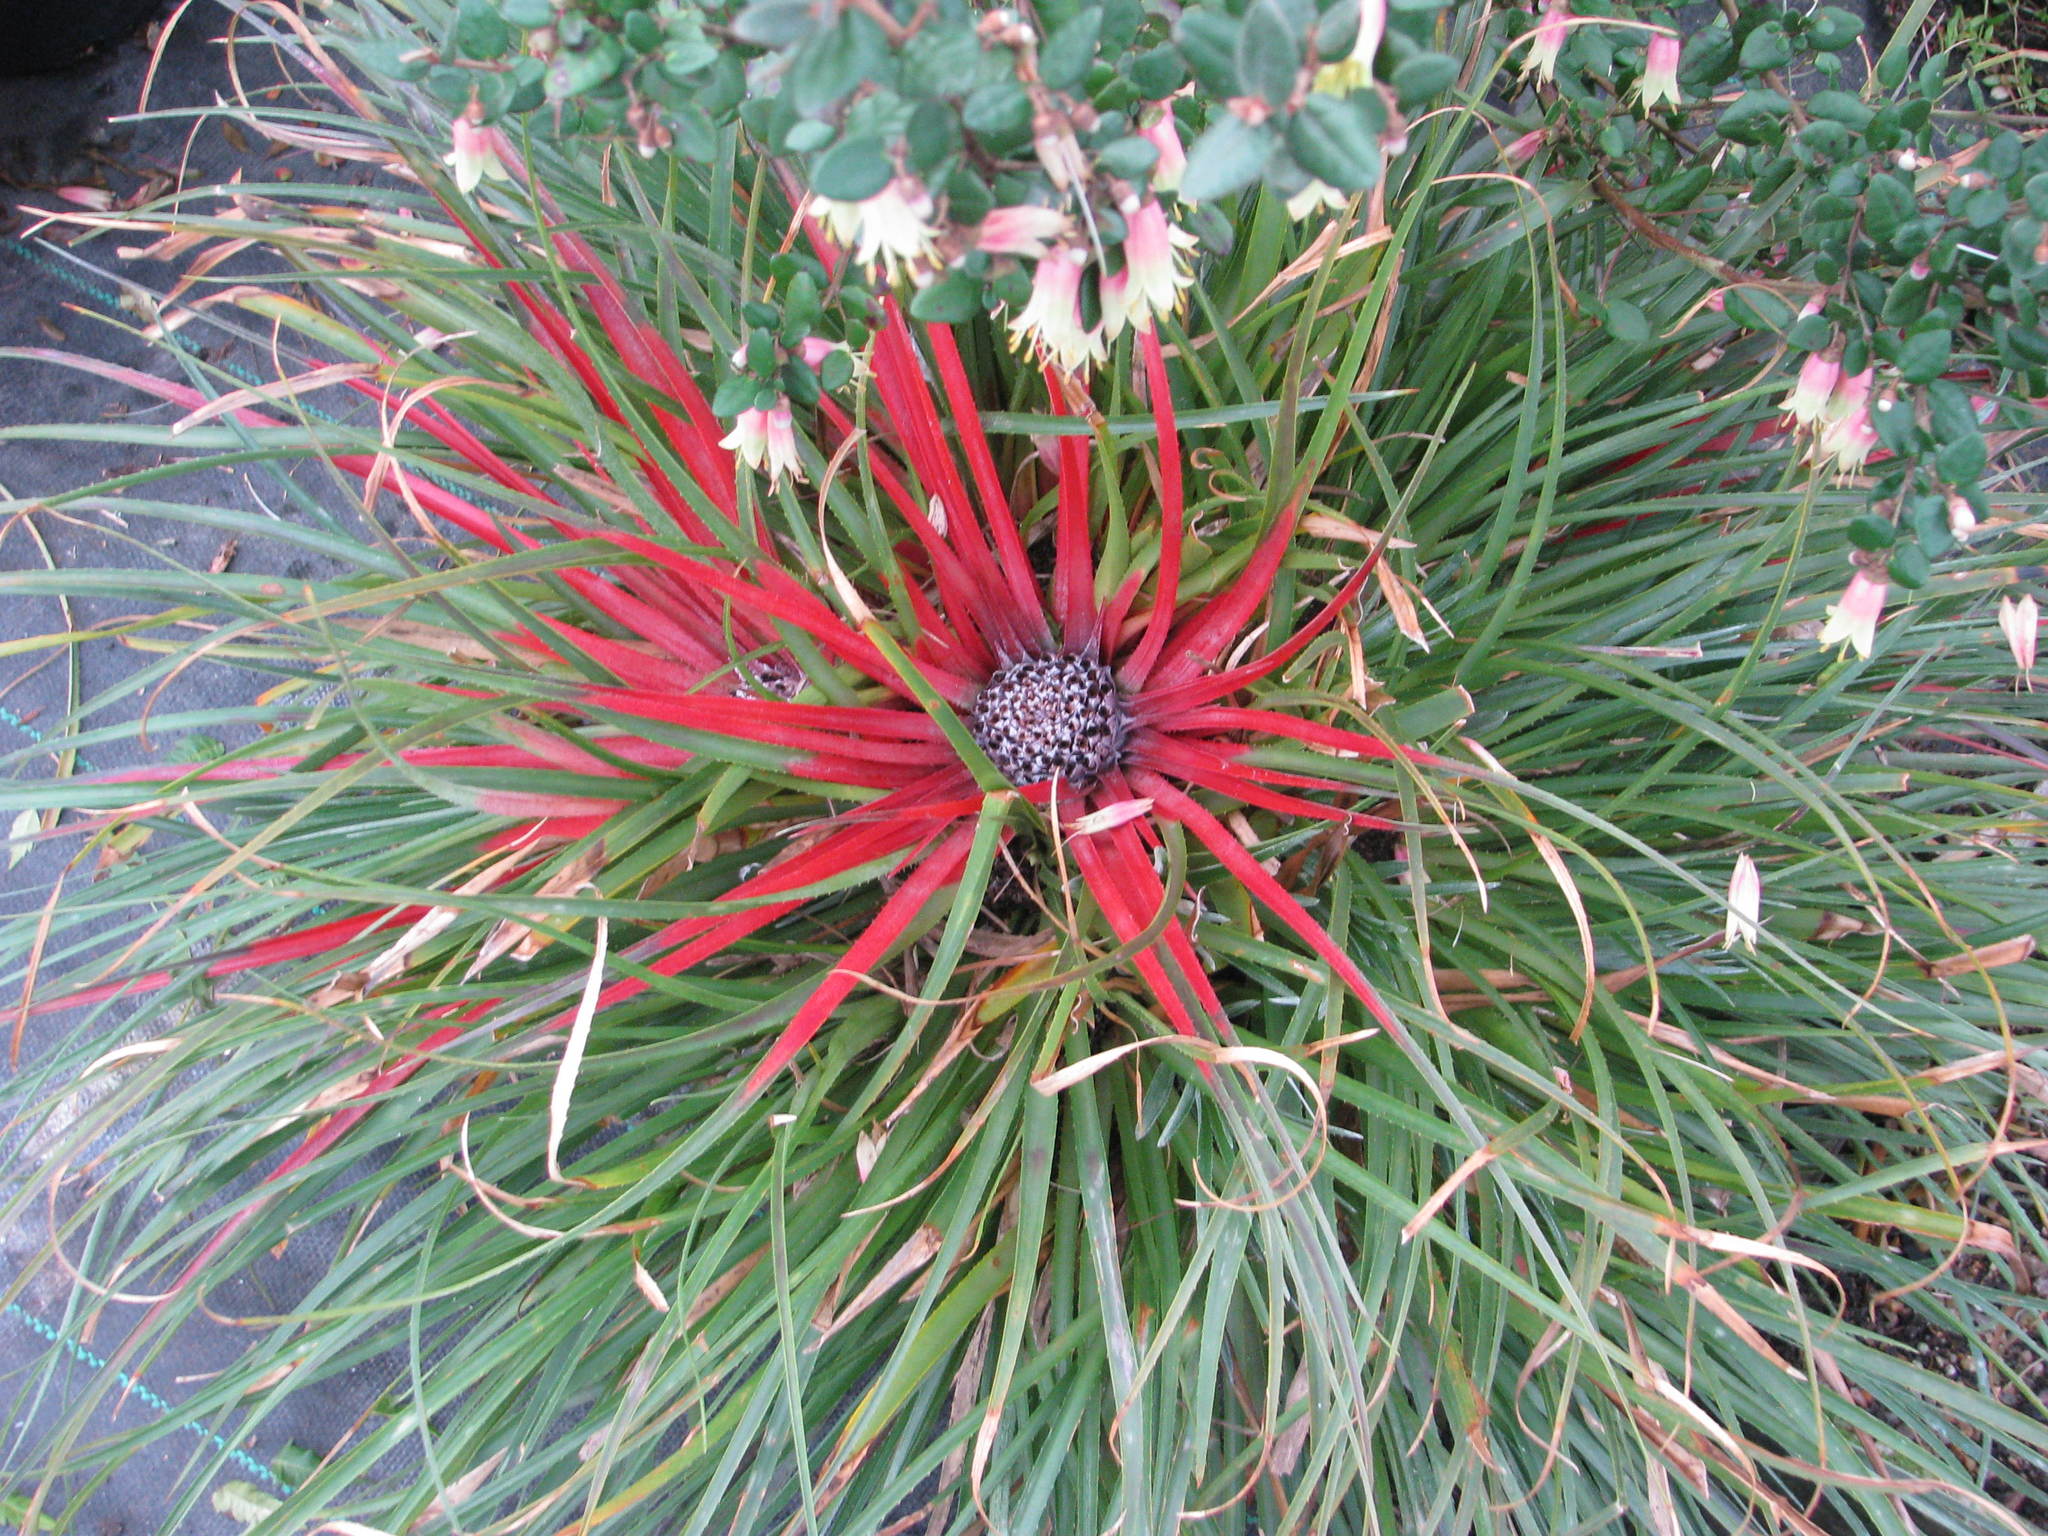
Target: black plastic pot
point(41, 35)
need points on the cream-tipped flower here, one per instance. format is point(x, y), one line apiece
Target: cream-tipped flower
point(1745, 906)
point(1855, 617)
point(475, 158)
point(1355, 68)
point(815, 349)
point(2020, 622)
point(1962, 518)
point(1846, 435)
point(766, 440)
point(1313, 198)
point(1547, 41)
point(1154, 275)
point(1659, 84)
point(1808, 402)
point(1050, 322)
point(1024, 229)
point(1163, 134)
point(891, 231)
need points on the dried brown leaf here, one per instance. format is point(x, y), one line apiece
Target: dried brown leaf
point(1987, 957)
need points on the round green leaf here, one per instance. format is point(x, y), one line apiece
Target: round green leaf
point(852, 171)
point(480, 32)
point(2022, 239)
point(1706, 61)
point(953, 300)
point(1949, 413)
point(776, 23)
point(1766, 47)
point(2002, 155)
point(1129, 157)
point(1927, 516)
point(807, 134)
point(1962, 459)
point(1627, 323)
point(1226, 158)
point(1895, 426)
point(1336, 141)
point(733, 396)
point(968, 198)
point(2037, 194)
point(1910, 567)
point(930, 136)
point(577, 74)
point(1756, 309)
point(641, 31)
point(1923, 358)
point(1841, 107)
point(1754, 117)
point(1872, 532)
point(1827, 139)
point(1422, 76)
point(1678, 190)
point(799, 383)
point(694, 135)
point(528, 80)
point(1157, 73)
point(997, 109)
point(1268, 54)
point(1809, 333)
point(1208, 40)
point(1887, 204)
point(1063, 61)
point(1831, 29)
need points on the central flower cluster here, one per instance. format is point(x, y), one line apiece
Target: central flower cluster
point(1051, 715)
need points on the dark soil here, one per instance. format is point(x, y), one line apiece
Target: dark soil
point(2008, 1359)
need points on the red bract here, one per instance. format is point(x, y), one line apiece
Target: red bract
point(1111, 713)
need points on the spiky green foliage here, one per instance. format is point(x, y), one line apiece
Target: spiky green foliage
point(1563, 1263)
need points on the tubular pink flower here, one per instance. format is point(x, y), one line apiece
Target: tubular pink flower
point(1846, 435)
point(1548, 40)
point(475, 158)
point(1313, 198)
point(1024, 229)
point(1745, 906)
point(1855, 617)
point(1050, 322)
point(1372, 30)
point(1525, 147)
point(1355, 68)
point(2020, 622)
point(1962, 518)
point(1163, 133)
point(1659, 84)
point(890, 232)
point(1155, 271)
point(766, 440)
point(1808, 402)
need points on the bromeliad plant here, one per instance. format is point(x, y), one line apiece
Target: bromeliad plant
point(1095, 954)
